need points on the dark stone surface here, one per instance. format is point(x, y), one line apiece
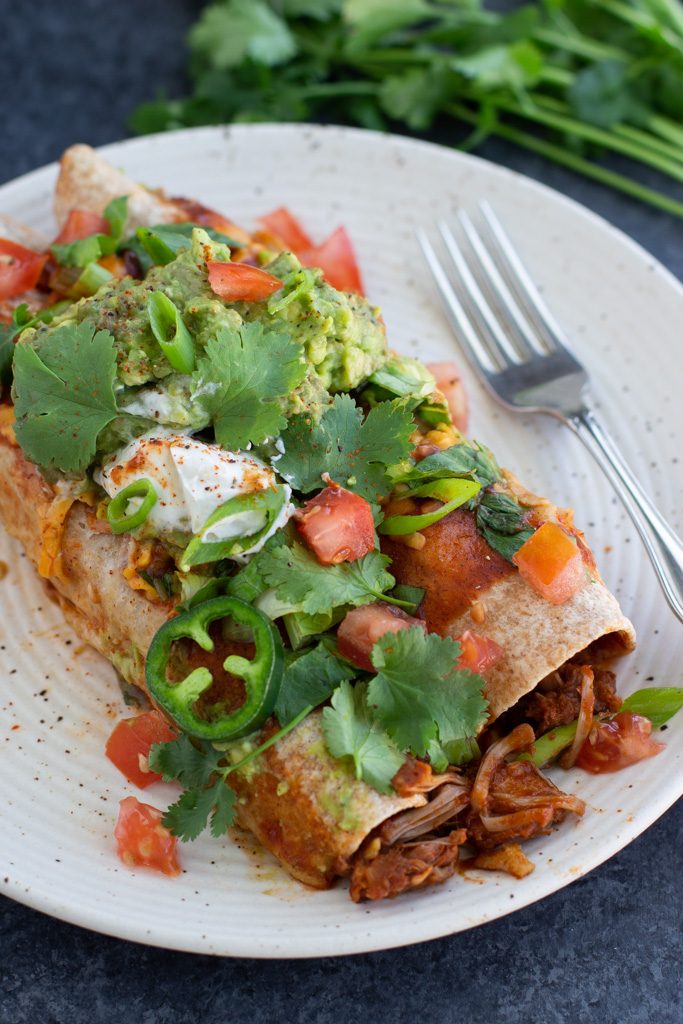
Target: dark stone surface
point(607, 949)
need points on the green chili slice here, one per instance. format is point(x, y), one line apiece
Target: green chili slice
point(120, 520)
point(453, 493)
point(267, 503)
point(174, 339)
point(262, 674)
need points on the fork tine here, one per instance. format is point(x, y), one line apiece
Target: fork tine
point(499, 340)
point(469, 339)
point(525, 287)
point(527, 339)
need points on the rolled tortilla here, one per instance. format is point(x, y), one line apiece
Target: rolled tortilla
point(88, 182)
point(468, 585)
point(304, 806)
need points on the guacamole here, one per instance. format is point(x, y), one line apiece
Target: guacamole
point(342, 335)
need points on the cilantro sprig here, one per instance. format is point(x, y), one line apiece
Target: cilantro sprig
point(568, 80)
point(64, 396)
point(355, 451)
point(300, 580)
point(199, 767)
point(242, 380)
point(351, 732)
point(420, 695)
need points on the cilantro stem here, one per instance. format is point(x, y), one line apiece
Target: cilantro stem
point(576, 163)
point(270, 742)
point(538, 112)
point(645, 23)
point(574, 42)
point(673, 148)
point(391, 600)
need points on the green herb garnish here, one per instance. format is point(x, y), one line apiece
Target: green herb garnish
point(355, 451)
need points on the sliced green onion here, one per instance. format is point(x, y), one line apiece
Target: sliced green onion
point(268, 503)
point(91, 280)
point(403, 375)
point(434, 412)
point(453, 493)
point(120, 520)
point(299, 284)
point(174, 339)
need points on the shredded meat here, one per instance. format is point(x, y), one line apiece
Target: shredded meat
point(557, 698)
point(521, 803)
point(510, 858)
point(406, 866)
point(412, 777)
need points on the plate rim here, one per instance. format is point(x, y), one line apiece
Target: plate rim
point(98, 919)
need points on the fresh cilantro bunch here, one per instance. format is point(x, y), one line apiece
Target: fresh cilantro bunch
point(570, 80)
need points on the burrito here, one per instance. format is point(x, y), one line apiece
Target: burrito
point(349, 623)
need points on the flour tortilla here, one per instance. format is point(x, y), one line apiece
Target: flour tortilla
point(88, 182)
point(304, 806)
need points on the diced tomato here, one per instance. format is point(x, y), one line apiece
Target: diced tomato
point(129, 745)
point(337, 525)
point(337, 260)
point(551, 563)
point(20, 268)
point(479, 652)
point(80, 224)
point(238, 282)
point(362, 627)
point(288, 229)
point(450, 384)
point(611, 746)
point(142, 841)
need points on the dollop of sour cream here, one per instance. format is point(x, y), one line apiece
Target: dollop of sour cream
point(192, 479)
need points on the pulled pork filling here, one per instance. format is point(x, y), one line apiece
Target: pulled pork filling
point(557, 698)
point(503, 802)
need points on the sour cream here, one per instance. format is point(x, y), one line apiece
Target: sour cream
point(192, 479)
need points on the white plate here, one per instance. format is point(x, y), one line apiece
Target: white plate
point(58, 793)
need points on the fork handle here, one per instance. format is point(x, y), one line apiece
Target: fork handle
point(662, 544)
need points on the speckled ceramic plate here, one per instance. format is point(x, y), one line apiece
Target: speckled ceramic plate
point(58, 793)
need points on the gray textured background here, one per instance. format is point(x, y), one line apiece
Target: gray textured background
point(608, 949)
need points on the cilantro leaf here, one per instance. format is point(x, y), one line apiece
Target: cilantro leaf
point(191, 764)
point(298, 578)
point(223, 809)
point(64, 397)
point(188, 816)
point(502, 523)
point(354, 451)
point(242, 378)
point(309, 680)
point(473, 460)
point(350, 732)
point(228, 33)
point(419, 695)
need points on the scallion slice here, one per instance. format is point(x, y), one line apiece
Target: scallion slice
point(174, 339)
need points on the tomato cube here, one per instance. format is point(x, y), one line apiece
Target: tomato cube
point(142, 840)
point(337, 526)
point(129, 745)
point(551, 563)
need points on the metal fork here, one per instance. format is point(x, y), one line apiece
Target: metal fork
point(522, 356)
